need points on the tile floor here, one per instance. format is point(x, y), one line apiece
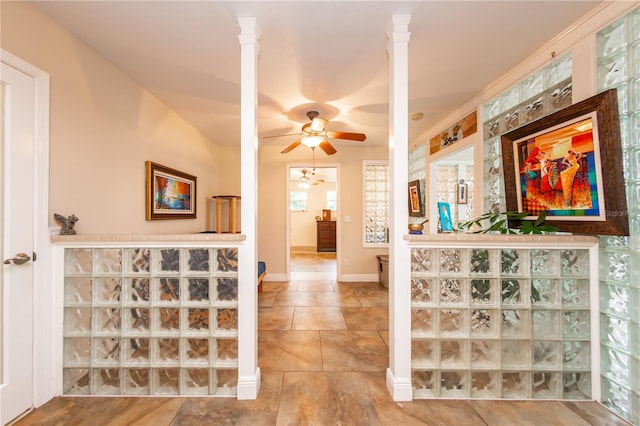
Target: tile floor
point(323, 352)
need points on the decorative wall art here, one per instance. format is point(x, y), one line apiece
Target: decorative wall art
point(570, 165)
point(171, 194)
point(416, 204)
point(463, 193)
point(458, 131)
point(444, 215)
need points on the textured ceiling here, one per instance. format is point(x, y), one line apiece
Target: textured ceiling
point(327, 56)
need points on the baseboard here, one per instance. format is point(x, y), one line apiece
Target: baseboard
point(275, 277)
point(349, 278)
point(400, 390)
point(248, 386)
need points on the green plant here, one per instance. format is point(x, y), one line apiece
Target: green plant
point(498, 223)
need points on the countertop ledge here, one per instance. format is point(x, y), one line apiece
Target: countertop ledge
point(147, 238)
point(462, 237)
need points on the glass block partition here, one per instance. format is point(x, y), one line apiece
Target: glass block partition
point(546, 91)
point(618, 66)
point(150, 321)
point(510, 322)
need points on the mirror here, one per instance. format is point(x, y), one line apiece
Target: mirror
point(452, 180)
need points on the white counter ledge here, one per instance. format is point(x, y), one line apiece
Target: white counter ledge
point(146, 239)
point(499, 240)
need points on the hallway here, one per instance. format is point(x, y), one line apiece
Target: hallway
point(323, 353)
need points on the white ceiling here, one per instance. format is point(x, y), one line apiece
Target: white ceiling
point(328, 56)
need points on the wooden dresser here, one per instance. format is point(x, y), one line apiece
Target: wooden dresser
point(326, 237)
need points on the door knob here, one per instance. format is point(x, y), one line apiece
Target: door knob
point(18, 259)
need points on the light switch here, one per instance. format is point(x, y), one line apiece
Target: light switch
point(347, 219)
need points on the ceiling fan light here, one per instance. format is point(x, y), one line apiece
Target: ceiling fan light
point(312, 141)
point(318, 124)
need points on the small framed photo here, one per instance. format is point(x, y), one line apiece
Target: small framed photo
point(463, 192)
point(326, 214)
point(416, 208)
point(170, 194)
point(444, 215)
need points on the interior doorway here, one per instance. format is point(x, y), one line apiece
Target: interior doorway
point(312, 246)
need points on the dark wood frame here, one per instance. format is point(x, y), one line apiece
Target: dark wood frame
point(153, 212)
point(607, 143)
point(414, 193)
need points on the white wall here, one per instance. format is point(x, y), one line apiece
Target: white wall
point(104, 126)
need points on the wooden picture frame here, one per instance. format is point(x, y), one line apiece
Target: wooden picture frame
point(463, 193)
point(170, 193)
point(570, 164)
point(416, 204)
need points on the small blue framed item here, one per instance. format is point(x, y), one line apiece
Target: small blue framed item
point(444, 214)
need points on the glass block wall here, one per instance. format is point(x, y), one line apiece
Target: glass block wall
point(500, 323)
point(542, 93)
point(618, 66)
point(150, 321)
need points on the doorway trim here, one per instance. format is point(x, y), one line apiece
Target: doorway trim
point(288, 225)
point(45, 333)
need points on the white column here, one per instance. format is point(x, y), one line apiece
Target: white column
point(399, 371)
point(248, 371)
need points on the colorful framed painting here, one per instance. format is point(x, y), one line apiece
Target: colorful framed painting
point(170, 194)
point(569, 164)
point(444, 216)
point(416, 208)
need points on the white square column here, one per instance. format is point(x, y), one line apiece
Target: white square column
point(399, 371)
point(248, 371)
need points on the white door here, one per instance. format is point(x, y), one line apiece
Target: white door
point(17, 136)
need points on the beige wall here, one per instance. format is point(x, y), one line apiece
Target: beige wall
point(103, 128)
point(303, 224)
point(272, 198)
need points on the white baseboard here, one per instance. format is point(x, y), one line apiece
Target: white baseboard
point(350, 278)
point(400, 390)
point(275, 277)
point(248, 386)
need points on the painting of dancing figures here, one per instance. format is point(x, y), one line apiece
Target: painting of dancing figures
point(558, 172)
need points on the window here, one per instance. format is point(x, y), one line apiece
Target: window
point(332, 201)
point(298, 201)
point(375, 179)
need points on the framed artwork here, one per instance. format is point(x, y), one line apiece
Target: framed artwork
point(416, 208)
point(569, 164)
point(444, 215)
point(463, 193)
point(170, 194)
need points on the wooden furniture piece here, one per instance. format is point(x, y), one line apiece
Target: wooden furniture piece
point(262, 272)
point(326, 235)
point(233, 206)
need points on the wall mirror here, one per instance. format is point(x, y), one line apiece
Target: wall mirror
point(453, 179)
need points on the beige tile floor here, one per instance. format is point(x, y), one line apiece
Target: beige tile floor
point(323, 350)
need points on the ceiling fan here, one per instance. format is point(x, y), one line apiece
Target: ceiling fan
point(304, 179)
point(315, 135)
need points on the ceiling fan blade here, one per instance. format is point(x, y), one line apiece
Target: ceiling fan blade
point(346, 135)
point(327, 147)
point(290, 147)
point(279, 136)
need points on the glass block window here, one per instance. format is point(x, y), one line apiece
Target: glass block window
point(298, 201)
point(618, 66)
point(376, 202)
point(544, 92)
point(500, 323)
point(150, 321)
